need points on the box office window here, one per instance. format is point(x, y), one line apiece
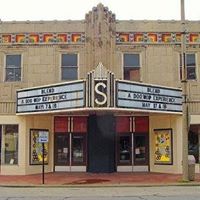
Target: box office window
point(190, 63)
point(13, 68)
point(131, 67)
point(69, 67)
point(10, 144)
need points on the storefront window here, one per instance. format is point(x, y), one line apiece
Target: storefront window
point(125, 149)
point(37, 150)
point(193, 145)
point(10, 137)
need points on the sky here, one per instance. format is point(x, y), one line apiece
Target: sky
point(34, 10)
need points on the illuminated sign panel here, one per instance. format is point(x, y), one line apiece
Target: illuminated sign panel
point(148, 97)
point(56, 97)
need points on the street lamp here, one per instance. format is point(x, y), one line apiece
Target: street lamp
point(184, 91)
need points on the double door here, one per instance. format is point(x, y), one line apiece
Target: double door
point(70, 152)
point(132, 152)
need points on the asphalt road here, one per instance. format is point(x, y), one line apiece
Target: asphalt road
point(101, 193)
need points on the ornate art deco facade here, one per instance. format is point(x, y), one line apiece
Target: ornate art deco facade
point(106, 91)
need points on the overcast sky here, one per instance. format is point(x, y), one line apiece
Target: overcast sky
point(21, 10)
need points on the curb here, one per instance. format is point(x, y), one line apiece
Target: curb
point(98, 186)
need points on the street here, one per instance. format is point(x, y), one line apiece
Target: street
point(101, 193)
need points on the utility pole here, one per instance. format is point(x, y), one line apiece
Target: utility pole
point(184, 90)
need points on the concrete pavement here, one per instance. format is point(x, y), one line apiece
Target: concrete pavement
point(90, 193)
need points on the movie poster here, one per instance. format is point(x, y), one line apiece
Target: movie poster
point(36, 149)
point(163, 146)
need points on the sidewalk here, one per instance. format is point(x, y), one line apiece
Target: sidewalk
point(101, 179)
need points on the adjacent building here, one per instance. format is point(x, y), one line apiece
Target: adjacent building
point(103, 95)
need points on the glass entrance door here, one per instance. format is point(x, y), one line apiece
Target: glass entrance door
point(140, 149)
point(124, 149)
point(61, 149)
point(78, 149)
point(132, 152)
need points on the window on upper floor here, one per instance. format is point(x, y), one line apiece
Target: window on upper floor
point(13, 68)
point(131, 66)
point(190, 63)
point(69, 67)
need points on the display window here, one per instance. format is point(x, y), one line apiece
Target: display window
point(10, 144)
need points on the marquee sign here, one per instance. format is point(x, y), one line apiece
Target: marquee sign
point(100, 90)
point(50, 98)
point(133, 95)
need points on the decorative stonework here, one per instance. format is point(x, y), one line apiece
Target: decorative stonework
point(156, 38)
point(73, 38)
point(42, 38)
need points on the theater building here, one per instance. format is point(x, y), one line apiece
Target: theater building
point(105, 93)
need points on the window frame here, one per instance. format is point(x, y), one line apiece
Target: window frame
point(195, 66)
point(2, 146)
point(61, 67)
point(5, 67)
point(133, 67)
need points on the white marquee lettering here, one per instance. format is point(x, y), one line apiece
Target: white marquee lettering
point(100, 93)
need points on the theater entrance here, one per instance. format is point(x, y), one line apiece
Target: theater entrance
point(101, 144)
point(70, 143)
point(132, 144)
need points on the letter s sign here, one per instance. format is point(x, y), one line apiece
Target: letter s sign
point(100, 94)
